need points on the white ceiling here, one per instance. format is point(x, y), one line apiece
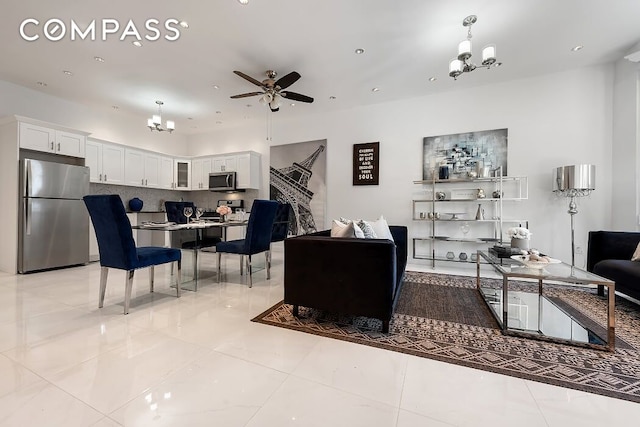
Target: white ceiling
point(405, 42)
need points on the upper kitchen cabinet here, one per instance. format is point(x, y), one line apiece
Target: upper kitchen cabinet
point(248, 170)
point(50, 140)
point(166, 173)
point(182, 174)
point(200, 169)
point(141, 168)
point(105, 162)
point(225, 163)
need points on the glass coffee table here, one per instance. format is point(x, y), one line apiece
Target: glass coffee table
point(532, 314)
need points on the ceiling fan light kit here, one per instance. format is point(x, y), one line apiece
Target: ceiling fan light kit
point(155, 122)
point(272, 93)
point(462, 64)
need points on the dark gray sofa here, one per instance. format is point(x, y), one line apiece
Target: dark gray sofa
point(360, 277)
point(609, 255)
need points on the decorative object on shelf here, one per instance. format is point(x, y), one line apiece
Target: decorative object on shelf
point(443, 172)
point(481, 194)
point(463, 153)
point(450, 255)
point(454, 215)
point(155, 122)
point(520, 237)
point(463, 256)
point(441, 195)
point(497, 194)
point(462, 64)
point(424, 215)
point(465, 229)
point(474, 256)
point(480, 213)
point(574, 181)
point(135, 204)
point(433, 215)
point(472, 174)
point(366, 162)
point(223, 211)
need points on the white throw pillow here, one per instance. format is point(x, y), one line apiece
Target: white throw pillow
point(636, 254)
point(356, 229)
point(381, 228)
point(340, 229)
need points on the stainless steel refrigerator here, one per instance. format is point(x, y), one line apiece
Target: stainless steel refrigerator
point(54, 223)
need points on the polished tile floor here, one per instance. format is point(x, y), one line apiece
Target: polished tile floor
point(199, 361)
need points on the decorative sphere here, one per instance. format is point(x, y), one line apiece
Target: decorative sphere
point(135, 204)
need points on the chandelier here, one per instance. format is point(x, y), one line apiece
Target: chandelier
point(462, 63)
point(155, 122)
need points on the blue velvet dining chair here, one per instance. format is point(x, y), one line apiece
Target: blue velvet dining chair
point(118, 249)
point(257, 238)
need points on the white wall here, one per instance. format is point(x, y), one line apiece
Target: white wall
point(106, 124)
point(553, 120)
point(626, 160)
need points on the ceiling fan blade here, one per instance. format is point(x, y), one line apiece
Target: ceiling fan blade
point(288, 80)
point(296, 97)
point(249, 78)
point(245, 95)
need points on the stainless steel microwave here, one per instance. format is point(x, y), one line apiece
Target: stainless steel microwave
point(222, 181)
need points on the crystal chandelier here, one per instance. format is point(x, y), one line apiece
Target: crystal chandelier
point(462, 63)
point(155, 122)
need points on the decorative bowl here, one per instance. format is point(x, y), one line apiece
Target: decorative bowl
point(524, 259)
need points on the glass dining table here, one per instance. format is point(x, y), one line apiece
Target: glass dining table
point(196, 231)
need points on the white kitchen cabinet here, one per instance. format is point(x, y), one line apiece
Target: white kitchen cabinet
point(151, 170)
point(200, 170)
point(42, 138)
point(248, 170)
point(166, 172)
point(105, 162)
point(225, 163)
point(182, 174)
point(142, 168)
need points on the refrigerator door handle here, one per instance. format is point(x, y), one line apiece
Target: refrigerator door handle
point(27, 216)
point(27, 178)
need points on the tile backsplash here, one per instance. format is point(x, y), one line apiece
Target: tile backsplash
point(153, 198)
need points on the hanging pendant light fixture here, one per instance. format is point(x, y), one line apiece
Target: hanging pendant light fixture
point(462, 64)
point(155, 122)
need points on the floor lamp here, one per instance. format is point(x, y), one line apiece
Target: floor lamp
point(574, 181)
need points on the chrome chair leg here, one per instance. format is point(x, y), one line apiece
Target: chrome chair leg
point(249, 270)
point(267, 259)
point(104, 272)
point(127, 291)
point(195, 268)
point(179, 277)
point(151, 277)
point(241, 262)
point(219, 267)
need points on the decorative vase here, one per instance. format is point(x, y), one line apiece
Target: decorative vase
point(450, 255)
point(223, 218)
point(520, 243)
point(135, 204)
point(463, 256)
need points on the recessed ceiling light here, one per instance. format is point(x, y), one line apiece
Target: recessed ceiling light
point(115, 107)
point(577, 48)
point(248, 105)
point(332, 97)
point(375, 89)
point(218, 112)
point(359, 51)
point(98, 58)
point(243, 1)
point(433, 79)
point(218, 122)
point(292, 104)
point(43, 84)
point(68, 73)
point(215, 87)
point(189, 118)
point(136, 43)
point(184, 24)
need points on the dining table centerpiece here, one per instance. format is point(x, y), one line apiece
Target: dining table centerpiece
point(223, 211)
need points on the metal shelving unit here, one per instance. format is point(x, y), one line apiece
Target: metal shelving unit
point(461, 192)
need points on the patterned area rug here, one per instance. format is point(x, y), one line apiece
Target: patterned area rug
point(429, 323)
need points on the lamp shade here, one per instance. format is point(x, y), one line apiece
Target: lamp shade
point(464, 50)
point(575, 177)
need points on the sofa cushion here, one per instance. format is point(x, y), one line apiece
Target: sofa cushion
point(636, 254)
point(381, 227)
point(625, 273)
point(356, 228)
point(367, 229)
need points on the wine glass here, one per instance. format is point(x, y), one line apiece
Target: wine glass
point(199, 212)
point(465, 229)
point(188, 211)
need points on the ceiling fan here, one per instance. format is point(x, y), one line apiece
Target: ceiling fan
point(272, 90)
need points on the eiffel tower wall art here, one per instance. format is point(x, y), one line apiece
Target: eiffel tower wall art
point(298, 176)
